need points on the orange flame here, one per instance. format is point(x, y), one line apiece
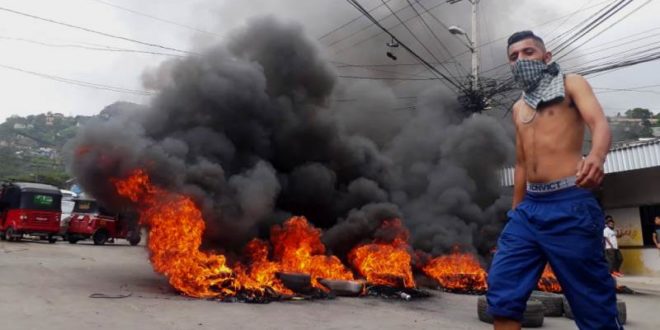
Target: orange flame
point(176, 228)
point(548, 281)
point(175, 236)
point(261, 273)
point(457, 272)
point(298, 248)
point(383, 263)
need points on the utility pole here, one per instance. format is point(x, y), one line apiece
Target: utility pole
point(473, 99)
point(472, 42)
point(475, 49)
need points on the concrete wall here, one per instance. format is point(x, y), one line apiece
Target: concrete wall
point(644, 261)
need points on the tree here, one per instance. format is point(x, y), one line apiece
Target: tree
point(646, 130)
point(639, 113)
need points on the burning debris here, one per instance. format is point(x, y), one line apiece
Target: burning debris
point(389, 292)
point(244, 137)
point(386, 261)
point(299, 263)
point(457, 272)
point(548, 281)
point(298, 248)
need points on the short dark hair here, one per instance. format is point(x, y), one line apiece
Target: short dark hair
point(522, 35)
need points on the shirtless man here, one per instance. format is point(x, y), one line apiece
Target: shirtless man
point(554, 218)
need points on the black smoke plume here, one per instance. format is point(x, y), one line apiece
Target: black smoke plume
point(252, 130)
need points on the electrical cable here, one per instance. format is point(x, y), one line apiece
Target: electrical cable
point(94, 31)
point(79, 82)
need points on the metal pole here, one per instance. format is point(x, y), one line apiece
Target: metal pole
point(475, 50)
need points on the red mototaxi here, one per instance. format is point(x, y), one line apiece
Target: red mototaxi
point(90, 220)
point(29, 209)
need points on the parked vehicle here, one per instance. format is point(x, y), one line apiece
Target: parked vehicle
point(90, 220)
point(29, 209)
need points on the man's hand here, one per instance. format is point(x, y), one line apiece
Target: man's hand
point(590, 172)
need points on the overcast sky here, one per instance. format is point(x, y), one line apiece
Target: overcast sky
point(23, 38)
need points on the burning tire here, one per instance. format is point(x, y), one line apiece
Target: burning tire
point(532, 318)
point(620, 308)
point(553, 304)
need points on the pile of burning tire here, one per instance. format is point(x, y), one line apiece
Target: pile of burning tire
point(542, 304)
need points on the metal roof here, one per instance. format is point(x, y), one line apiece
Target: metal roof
point(37, 187)
point(623, 157)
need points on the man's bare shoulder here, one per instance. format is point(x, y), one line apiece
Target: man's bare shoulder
point(575, 83)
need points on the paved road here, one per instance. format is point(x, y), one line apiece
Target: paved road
point(45, 286)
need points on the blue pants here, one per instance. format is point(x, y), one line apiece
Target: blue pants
point(564, 228)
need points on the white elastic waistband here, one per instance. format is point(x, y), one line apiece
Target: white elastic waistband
point(551, 186)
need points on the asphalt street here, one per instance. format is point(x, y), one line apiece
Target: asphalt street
point(44, 286)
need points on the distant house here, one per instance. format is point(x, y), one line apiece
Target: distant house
point(626, 120)
point(50, 119)
point(23, 126)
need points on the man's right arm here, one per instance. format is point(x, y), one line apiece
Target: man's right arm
point(655, 240)
point(519, 175)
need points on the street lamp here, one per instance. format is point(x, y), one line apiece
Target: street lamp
point(455, 30)
point(472, 42)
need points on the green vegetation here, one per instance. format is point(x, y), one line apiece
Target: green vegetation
point(31, 147)
point(636, 123)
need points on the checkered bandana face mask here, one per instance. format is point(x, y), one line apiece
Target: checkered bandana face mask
point(541, 82)
point(528, 73)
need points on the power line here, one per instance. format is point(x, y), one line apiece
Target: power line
point(364, 27)
point(156, 18)
point(618, 90)
point(581, 23)
point(357, 18)
point(379, 70)
point(79, 82)
point(592, 25)
point(569, 17)
point(437, 38)
point(607, 28)
point(95, 48)
point(343, 64)
point(380, 33)
point(94, 31)
point(415, 37)
point(361, 9)
point(384, 78)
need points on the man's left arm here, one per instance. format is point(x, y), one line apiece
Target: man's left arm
point(590, 170)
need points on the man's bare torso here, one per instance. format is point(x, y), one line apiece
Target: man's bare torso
point(551, 139)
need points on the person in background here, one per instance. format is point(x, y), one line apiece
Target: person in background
point(656, 233)
point(612, 252)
